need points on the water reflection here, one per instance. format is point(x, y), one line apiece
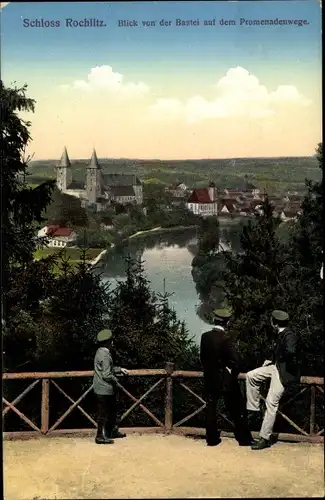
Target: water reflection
point(167, 261)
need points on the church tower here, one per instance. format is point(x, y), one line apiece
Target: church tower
point(94, 179)
point(64, 172)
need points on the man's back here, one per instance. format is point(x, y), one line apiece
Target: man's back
point(218, 356)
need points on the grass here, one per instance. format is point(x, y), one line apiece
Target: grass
point(73, 254)
point(153, 180)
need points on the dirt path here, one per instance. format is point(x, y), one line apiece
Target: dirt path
point(158, 467)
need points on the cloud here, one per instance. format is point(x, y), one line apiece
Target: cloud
point(238, 94)
point(105, 79)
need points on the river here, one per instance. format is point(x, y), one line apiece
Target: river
point(167, 261)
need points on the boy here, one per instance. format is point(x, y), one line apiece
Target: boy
point(104, 384)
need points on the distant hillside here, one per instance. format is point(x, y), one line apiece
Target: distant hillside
point(270, 173)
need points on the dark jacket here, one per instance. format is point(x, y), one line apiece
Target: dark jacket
point(217, 352)
point(286, 356)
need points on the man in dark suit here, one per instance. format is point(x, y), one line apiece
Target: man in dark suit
point(221, 365)
point(282, 370)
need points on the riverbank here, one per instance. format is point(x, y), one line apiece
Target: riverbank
point(160, 229)
point(99, 257)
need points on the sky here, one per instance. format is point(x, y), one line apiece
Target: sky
point(163, 91)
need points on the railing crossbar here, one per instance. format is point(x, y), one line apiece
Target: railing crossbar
point(202, 407)
point(148, 412)
point(69, 410)
point(294, 397)
point(138, 401)
point(22, 416)
point(291, 422)
point(20, 397)
point(185, 419)
point(72, 401)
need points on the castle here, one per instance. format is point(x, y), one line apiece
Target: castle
point(98, 189)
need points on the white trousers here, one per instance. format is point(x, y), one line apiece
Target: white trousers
point(254, 379)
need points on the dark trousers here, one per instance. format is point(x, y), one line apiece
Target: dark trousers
point(106, 413)
point(235, 408)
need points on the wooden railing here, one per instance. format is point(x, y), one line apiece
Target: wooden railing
point(169, 377)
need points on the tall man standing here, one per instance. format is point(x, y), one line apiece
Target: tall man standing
point(104, 384)
point(221, 365)
point(281, 370)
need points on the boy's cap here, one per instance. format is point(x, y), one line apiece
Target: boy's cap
point(105, 334)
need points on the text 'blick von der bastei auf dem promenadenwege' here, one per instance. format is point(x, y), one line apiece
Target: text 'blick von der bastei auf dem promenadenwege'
point(181, 23)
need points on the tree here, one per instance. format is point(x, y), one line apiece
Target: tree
point(65, 210)
point(208, 236)
point(303, 287)
point(93, 238)
point(22, 206)
point(44, 311)
point(252, 286)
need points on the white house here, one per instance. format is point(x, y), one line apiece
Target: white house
point(203, 201)
point(178, 190)
point(57, 237)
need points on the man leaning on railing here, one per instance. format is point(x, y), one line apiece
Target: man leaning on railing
point(282, 370)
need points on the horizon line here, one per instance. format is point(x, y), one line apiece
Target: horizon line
point(183, 159)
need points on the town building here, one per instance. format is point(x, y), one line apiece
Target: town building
point(179, 190)
point(56, 236)
point(98, 189)
point(203, 201)
point(227, 206)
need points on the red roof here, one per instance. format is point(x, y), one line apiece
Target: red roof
point(200, 195)
point(55, 231)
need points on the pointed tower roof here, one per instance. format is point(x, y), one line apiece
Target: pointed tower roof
point(94, 160)
point(65, 162)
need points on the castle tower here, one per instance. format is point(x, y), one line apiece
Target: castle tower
point(138, 189)
point(94, 179)
point(213, 195)
point(64, 172)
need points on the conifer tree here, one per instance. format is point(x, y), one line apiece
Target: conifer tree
point(252, 285)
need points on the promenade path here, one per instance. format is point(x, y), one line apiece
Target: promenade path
point(157, 466)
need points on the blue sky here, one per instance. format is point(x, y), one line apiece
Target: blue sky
point(175, 62)
point(178, 47)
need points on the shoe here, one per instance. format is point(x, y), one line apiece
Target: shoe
point(101, 437)
point(261, 444)
point(214, 443)
point(116, 434)
point(251, 442)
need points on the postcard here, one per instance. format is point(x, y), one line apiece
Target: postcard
point(148, 134)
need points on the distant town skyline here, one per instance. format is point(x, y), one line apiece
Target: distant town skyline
point(167, 92)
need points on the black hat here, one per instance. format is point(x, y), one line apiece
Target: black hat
point(223, 314)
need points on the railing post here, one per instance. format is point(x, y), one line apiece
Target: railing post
point(312, 410)
point(45, 410)
point(169, 398)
